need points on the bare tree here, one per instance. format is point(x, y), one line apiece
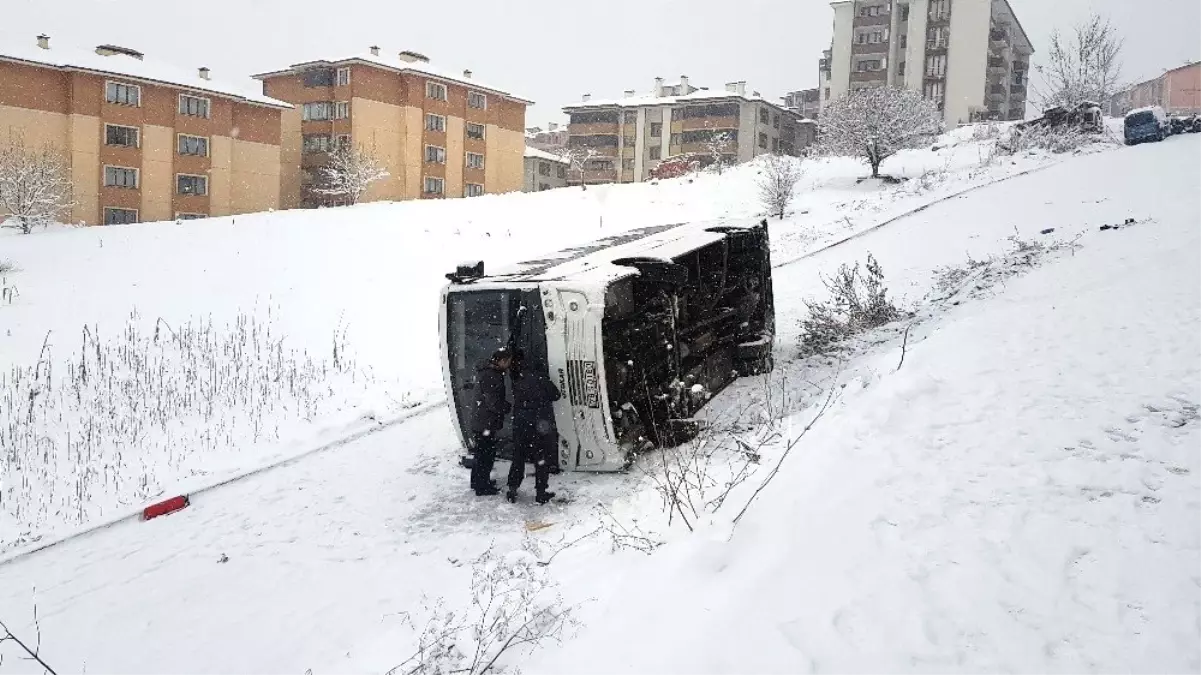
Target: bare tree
point(718, 145)
point(1085, 65)
point(878, 122)
point(35, 185)
point(777, 183)
point(578, 158)
point(28, 652)
point(350, 171)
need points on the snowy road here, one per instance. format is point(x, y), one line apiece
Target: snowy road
point(322, 553)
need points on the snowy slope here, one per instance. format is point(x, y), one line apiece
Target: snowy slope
point(939, 518)
point(374, 271)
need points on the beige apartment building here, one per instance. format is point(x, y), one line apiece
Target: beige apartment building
point(544, 170)
point(972, 57)
point(628, 137)
point(144, 141)
point(437, 134)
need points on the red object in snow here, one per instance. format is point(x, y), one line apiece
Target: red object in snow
point(164, 507)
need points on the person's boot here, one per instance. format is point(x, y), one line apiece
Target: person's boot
point(511, 495)
point(487, 491)
point(544, 497)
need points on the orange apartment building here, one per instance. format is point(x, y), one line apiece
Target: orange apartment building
point(144, 142)
point(437, 134)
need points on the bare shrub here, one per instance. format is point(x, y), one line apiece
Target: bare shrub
point(7, 267)
point(977, 277)
point(1083, 66)
point(858, 301)
point(777, 183)
point(100, 430)
point(26, 651)
point(515, 605)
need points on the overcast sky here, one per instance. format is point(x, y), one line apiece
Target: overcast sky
point(550, 52)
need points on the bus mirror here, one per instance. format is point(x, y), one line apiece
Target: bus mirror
point(467, 271)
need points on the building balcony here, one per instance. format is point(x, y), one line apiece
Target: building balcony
point(1001, 36)
point(997, 63)
point(1017, 91)
point(870, 48)
point(878, 20)
point(869, 76)
point(595, 129)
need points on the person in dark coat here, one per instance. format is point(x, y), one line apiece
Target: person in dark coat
point(533, 432)
point(488, 418)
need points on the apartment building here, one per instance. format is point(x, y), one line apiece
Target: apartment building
point(438, 134)
point(144, 141)
point(1178, 91)
point(628, 137)
point(544, 170)
point(972, 57)
point(551, 139)
point(806, 102)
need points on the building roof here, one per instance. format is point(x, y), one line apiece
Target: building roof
point(649, 100)
point(1018, 22)
point(247, 90)
point(395, 64)
point(542, 154)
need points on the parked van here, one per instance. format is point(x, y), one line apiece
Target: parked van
point(1147, 124)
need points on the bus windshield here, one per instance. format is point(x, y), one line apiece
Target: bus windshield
point(478, 322)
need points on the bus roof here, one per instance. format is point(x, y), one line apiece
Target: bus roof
point(592, 263)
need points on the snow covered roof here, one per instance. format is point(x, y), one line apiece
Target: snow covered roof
point(395, 64)
point(87, 60)
point(592, 263)
point(650, 99)
point(542, 154)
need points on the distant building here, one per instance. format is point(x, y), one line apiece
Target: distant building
point(971, 57)
point(544, 170)
point(550, 139)
point(438, 134)
point(630, 136)
point(1177, 91)
point(145, 141)
point(807, 102)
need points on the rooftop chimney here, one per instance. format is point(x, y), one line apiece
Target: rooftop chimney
point(587, 97)
point(413, 57)
point(629, 93)
point(756, 94)
point(553, 126)
point(204, 73)
point(467, 74)
point(683, 84)
point(374, 50)
point(44, 41)
point(658, 86)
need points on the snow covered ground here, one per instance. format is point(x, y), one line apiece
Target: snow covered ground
point(370, 272)
point(1021, 495)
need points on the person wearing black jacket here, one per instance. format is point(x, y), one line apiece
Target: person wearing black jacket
point(488, 418)
point(533, 432)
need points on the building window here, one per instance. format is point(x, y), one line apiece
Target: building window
point(763, 141)
point(874, 10)
point(477, 100)
point(674, 140)
point(316, 143)
point(191, 185)
point(940, 10)
point(775, 145)
point(123, 94)
point(763, 116)
point(901, 68)
point(435, 91)
point(435, 122)
point(190, 216)
point(193, 145)
point(656, 152)
point(435, 154)
point(937, 37)
point(475, 160)
point(600, 165)
point(936, 65)
point(562, 172)
point(935, 92)
point(656, 129)
point(904, 12)
point(341, 110)
point(630, 117)
point(124, 136)
point(827, 94)
point(904, 41)
point(543, 169)
point(343, 77)
point(434, 186)
point(114, 216)
point(317, 111)
point(319, 77)
point(869, 65)
point(629, 141)
point(121, 177)
point(193, 106)
point(342, 141)
point(597, 117)
point(775, 121)
point(475, 131)
point(474, 190)
point(627, 164)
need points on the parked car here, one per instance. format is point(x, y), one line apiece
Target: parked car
point(1147, 124)
point(1181, 124)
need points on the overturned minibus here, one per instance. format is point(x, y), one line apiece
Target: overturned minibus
point(638, 331)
